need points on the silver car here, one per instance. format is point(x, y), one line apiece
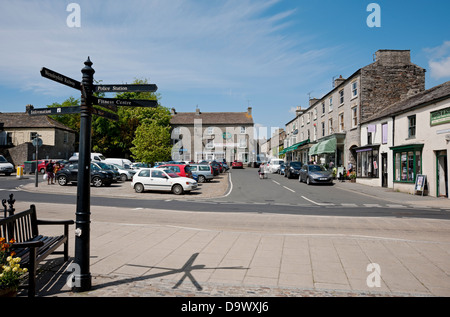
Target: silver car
point(315, 174)
point(203, 171)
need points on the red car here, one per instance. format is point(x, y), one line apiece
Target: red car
point(237, 164)
point(182, 170)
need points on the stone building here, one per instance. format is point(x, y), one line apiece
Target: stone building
point(19, 129)
point(198, 136)
point(329, 129)
point(407, 139)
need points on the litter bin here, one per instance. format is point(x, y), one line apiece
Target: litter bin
point(19, 173)
point(30, 167)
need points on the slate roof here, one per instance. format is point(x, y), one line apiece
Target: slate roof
point(24, 120)
point(421, 99)
point(212, 118)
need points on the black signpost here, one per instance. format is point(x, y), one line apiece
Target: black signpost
point(82, 276)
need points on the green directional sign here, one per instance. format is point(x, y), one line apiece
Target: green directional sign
point(105, 114)
point(105, 102)
point(54, 111)
point(50, 74)
point(126, 88)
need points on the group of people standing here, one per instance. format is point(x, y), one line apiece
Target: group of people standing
point(51, 170)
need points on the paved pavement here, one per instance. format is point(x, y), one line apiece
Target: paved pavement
point(147, 252)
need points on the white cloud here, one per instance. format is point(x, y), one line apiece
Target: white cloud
point(439, 60)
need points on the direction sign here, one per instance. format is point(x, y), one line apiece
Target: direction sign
point(104, 102)
point(105, 114)
point(125, 88)
point(54, 111)
point(50, 74)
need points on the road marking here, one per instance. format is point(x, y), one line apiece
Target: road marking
point(316, 203)
point(276, 182)
point(395, 206)
point(289, 189)
point(349, 205)
point(372, 205)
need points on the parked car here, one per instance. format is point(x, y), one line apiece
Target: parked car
point(94, 157)
point(202, 171)
point(5, 167)
point(119, 161)
point(161, 180)
point(315, 174)
point(225, 166)
point(109, 167)
point(182, 170)
point(293, 169)
point(281, 170)
point(274, 165)
point(69, 174)
point(139, 165)
point(237, 164)
point(124, 172)
point(217, 164)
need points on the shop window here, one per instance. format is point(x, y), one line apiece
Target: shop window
point(367, 163)
point(407, 164)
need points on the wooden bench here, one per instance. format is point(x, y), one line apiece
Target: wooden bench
point(30, 246)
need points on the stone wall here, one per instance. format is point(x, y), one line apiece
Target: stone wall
point(391, 78)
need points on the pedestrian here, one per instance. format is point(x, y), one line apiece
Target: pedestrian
point(350, 167)
point(50, 175)
point(56, 168)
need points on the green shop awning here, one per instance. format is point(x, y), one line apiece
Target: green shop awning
point(294, 147)
point(327, 146)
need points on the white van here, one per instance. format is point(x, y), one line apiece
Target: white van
point(94, 157)
point(274, 165)
point(118, 161)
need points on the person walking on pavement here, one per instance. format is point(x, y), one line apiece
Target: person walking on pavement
point(50, 175)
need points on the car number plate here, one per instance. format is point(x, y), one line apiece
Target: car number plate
point(323, 178)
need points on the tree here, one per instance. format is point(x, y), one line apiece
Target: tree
point(152, 142)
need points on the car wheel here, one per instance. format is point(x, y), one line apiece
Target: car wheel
point(139, 188)
point(97, 181)
point(201, 179)
point(42, 171)
point(177, 189)
point(62, 180)
point(123, 177)
point(308, 182)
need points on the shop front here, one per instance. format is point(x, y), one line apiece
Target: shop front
point(328, 151)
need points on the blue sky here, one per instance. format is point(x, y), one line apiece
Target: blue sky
point(215, 54)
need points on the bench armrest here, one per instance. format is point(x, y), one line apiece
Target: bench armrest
point(55, 222)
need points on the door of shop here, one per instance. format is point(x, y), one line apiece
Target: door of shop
point(441, 174)
point(384, 170)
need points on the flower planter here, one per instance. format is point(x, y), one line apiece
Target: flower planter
point(8, 292)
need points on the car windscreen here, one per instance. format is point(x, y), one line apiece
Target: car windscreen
point(296, 164)
point(316, 168)
point(3, 160)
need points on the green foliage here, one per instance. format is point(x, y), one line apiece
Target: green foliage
point(152, 142)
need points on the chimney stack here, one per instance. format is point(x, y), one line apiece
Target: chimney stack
point(339, 81)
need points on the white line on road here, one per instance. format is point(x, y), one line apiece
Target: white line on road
point(289, 189)
point(318, 204)
point(276, 182)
